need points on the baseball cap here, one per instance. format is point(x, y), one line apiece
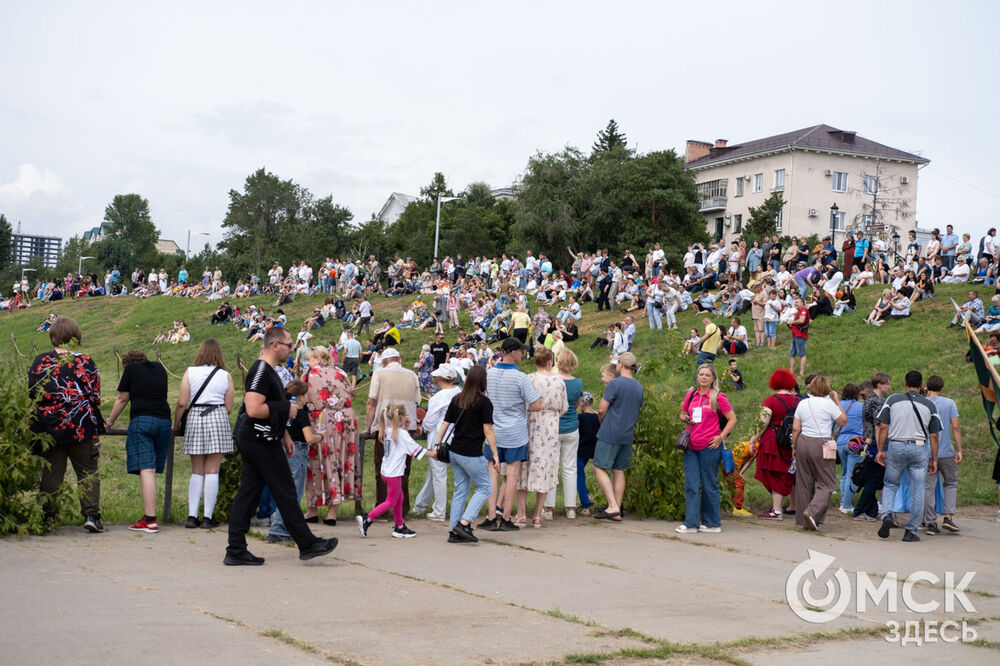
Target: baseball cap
point(445, 371)
point(390, 352)
point(511, 345)
point(628, 360)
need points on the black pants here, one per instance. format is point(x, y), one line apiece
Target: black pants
point(381, 492)
point(874, 478)
point(365, 322)
point(264, 464)
point(602, 301)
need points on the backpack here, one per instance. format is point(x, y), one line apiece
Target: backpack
point(783, 433)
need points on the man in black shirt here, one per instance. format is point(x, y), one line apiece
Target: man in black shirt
point(604, 286)
point(439, 350)
point(264, 444)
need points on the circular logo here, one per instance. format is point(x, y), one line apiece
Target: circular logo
point(833, 599)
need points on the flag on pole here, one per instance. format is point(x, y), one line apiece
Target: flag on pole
point(989, 382)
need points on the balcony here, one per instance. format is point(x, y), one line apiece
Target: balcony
point(709, 204)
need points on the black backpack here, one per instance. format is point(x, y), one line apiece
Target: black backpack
point(783, 433)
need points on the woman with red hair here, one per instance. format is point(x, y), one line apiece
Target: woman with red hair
point(773, 461)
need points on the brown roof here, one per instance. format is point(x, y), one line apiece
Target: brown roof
point(817, 137)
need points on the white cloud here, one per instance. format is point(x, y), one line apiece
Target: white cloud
point(32, 181)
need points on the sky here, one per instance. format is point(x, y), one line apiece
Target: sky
point(181, 101)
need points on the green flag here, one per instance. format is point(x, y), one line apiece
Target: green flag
point(989, 381)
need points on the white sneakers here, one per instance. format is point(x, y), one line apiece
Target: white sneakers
point(684, 529)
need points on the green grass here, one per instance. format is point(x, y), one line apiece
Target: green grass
point(844, 349)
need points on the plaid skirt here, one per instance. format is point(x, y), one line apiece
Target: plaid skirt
point(209, 433)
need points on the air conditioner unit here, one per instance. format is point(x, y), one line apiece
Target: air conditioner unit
point(813, 212)
point(728, 222)
point(828, 172)
point(904, 179)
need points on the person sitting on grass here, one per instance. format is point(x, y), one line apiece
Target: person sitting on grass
point(691, 344)
point(881, 309)
point(735, 378)
point(992, 321)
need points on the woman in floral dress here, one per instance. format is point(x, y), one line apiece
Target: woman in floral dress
point(424, 366)
point(538, 474)
point(333, 475)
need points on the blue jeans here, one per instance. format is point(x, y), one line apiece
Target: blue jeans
point(297, 464)
point(847, 462)
point(581, 482)
point(704, 357)
point(655, 315)
point(468, 469)
point(803, 288)
point(701, 487)
point(906, 458)
point(771, 329)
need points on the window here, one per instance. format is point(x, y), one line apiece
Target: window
point(737, 224)
point(779, 179)
point(839, 181)
point(871, 185)
point(758, 182)
point(739, 186)
point(713, 188)
point(840, 221)
point(777, 219)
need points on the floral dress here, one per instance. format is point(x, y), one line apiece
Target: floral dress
point(538, 475)
point(424, 368)
point(333, 474)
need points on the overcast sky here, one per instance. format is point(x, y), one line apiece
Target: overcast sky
point(181, 101)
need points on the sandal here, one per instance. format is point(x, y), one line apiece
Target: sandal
point(536, 523)
point(585, 511)
point(604, 514)
point(520, 521)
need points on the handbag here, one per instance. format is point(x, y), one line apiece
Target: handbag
point(830, 445)
point(442, 450)
point(683, 441)
point(182, 426)
point(728, 462)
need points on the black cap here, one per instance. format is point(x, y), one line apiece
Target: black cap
point(511, 345)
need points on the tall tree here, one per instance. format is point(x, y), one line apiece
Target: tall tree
point(763, 218)
point(479, 194)
point(437, 186)
point(132, 225)
point(610, 138)
point(6, 243)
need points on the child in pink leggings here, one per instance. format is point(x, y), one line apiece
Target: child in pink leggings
point(398, 445)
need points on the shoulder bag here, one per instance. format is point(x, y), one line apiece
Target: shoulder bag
point(829, 445)
point(683, 441)
point(182, 427)
point(442, 449)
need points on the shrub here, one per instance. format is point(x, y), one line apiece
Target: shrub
point(655, 484)
point(229, 483)
point(22, 504)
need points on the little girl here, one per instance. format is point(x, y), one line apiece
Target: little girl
point(689, 344)
point(589, 425)
point(398, 445)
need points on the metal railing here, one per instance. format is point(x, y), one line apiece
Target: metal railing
point(712, 203)
point(168, 470)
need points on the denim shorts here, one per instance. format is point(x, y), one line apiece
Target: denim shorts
point(147, 443)
point(771, 329)
point(516, 454)
point(612, 456)
point(798, 347)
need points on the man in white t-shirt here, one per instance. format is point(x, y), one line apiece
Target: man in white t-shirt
point(658, 255)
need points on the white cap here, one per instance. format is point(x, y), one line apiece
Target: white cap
point(445, 371)
point(390, 352)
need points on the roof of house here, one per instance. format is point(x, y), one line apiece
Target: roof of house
point(817, 137)
point(396, 197)
point(95, 233)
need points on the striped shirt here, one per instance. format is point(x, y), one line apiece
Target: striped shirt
point(511, 392)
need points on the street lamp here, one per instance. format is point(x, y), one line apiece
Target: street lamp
point(437, 224)
point(187, 252)
point(79, 264)
point(895, 244)
point(26, 270)
point(834, 209)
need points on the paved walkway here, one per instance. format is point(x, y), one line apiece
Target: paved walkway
point(573, 587)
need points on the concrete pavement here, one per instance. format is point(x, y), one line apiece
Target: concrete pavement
point(533, 596)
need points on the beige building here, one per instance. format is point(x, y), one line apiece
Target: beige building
point(873, 186)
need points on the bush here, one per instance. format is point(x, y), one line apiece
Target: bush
point(229, 483)
point(655, 484)
point(22, 504)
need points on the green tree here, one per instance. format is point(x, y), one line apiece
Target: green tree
point(763, 218)
point(436, 187)
point(133, 229)
point(479, 194)
point(367, 239)
point(610, 138)
point(328, 228)
point(6, 243)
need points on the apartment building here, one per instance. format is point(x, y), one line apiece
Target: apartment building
point(873, 186)
point(24, 247)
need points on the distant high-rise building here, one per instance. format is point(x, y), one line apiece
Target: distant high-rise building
point(26, 246)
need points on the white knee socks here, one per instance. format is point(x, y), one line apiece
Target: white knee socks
point(211, 493)
point(194, 493)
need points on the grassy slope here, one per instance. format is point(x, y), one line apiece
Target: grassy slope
point(844, 349)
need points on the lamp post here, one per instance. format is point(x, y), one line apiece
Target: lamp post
point(79, 264)
point(437, 224)
point(26, 270)
point(834, 210)
point(895, 244)
point(187, 252)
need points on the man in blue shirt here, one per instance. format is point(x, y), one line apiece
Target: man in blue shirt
point(182, 277)
point(862, 246)
point(949, 244)
point(949, 458)
point(618, 413)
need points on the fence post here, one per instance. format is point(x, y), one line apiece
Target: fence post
point(168, 480)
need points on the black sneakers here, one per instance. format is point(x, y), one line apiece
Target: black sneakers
point(363, 524)
point(932, 529)
point(245, 559)
point(93, 523)
point(208, 523)
point(491, 524)
point(403, 532)
point(507, 526)
point(910, 536)
point(454, 538)
point(319, 547)
point(949, 525)
point(192, 523)
point(464, 533)
point(887, 524)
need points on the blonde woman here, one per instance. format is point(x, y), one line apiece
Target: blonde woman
point(207, 436)
point(700, 412)
point(538, 475)
point(569, 436)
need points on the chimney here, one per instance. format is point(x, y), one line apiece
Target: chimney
point(721, 143)
point(695, 150)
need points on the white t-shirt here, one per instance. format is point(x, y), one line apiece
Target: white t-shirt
point(436, 408)
point(394, 462)
point(738, 332)
point(817, 416)
point(831, 285)
point(214, 393)
point(658, 256)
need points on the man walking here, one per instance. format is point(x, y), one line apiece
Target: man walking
point(618, 413)
point(392, 384)
point(867, 505)
point(264, 445)
point(513, 397)
point(949, 458)
point(909, 424)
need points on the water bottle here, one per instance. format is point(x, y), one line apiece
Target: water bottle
point(791, 468)
point(288, 423)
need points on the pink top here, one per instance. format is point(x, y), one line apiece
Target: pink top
point(702, 433)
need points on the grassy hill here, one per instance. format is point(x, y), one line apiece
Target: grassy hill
point(844, 349)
